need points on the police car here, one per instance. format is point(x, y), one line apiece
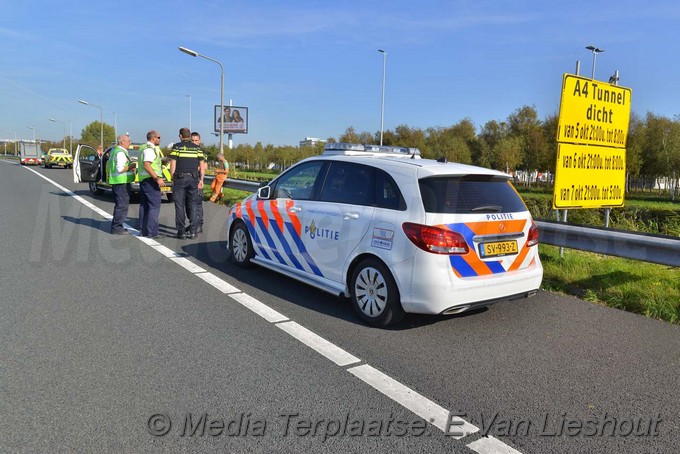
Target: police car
point(391, 231)
point(91, 168)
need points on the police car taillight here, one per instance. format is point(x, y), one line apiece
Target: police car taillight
point(532, 237)
point(435, 239)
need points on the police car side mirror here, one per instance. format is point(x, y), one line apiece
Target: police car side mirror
point(264, 193)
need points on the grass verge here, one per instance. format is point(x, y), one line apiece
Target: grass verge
point(643, 288)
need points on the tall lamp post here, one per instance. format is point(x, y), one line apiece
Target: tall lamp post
point(196, 54)
point(15, 141)
point(101, 121)
point(64, 123)
point(189, 96)
point(595, 51)
point(33, 128)
point(382, 101)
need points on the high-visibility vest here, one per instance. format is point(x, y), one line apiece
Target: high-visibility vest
point(156, 164)
point(115, 177)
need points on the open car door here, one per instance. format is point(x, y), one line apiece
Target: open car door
point(86, 164)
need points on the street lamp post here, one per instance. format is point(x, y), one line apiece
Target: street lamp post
point(595, 51)
point(382, 101)
point(64, 123)
point(15, 141)
point(196, 54)
point(33, 128)
point(189, 96)
point(101, 122)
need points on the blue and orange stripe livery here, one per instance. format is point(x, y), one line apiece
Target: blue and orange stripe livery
point(276, 229)
point(470, 265)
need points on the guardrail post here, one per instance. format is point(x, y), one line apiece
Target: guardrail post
point(564, 220)
point(606, 216)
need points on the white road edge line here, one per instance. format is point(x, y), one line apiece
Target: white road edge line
point(319, 344)
point(435, 414)
point(220, 284)
point(259, 308)
point(403, 395)
point(188, 265)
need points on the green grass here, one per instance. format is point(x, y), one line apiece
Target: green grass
point(643, 288)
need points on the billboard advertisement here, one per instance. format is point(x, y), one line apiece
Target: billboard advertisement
point(235, 119)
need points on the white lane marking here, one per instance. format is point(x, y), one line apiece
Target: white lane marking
point(147, 241)
point(319, 344)
point(221, 285)
point(166, 251)
point(188, 265)
point(417, 403)
point(259, 308)
point(403, 395)
point(491, 445)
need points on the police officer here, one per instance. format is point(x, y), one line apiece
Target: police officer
point(150, 184)
point(187, 176)
point(121, 172)
point(196, 139)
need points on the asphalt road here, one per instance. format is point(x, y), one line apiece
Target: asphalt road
point(104, 339)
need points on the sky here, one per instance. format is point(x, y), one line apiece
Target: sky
point(312, 68)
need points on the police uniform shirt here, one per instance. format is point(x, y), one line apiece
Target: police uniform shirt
point(187, 155)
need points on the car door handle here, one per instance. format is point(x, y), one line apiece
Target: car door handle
point(294, 209)
point(350, 215)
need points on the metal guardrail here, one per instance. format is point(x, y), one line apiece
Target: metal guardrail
point(661, 249)
point(664, 250)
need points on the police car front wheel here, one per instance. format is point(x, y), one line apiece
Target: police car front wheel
point(241, 246)
point(375, 295)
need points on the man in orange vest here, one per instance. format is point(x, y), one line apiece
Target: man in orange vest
point(221, 173)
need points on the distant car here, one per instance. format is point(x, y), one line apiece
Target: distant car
point(57, 157)
point(90, 168)
point(393, 232)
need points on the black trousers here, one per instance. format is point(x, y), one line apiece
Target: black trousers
point(185, 195)
point(121, 198)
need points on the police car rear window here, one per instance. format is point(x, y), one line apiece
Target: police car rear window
point(469, 194)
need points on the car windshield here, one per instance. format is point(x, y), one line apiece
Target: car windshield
point(469, 194)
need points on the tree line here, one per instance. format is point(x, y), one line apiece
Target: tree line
point(522, 142)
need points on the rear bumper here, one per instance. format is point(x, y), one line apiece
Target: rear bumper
point(437, 296)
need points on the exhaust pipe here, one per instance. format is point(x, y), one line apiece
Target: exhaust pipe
point(455, 310)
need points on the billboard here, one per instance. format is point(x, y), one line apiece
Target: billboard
point(235, 119)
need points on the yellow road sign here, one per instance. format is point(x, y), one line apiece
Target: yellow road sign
point(588, 176)
point(593, 112)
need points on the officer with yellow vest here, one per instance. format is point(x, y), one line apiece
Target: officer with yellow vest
point(150, 184)
point(120, 173)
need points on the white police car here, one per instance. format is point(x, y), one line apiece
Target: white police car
point(393, 232)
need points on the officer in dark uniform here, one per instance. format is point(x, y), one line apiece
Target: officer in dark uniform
point(187, 177)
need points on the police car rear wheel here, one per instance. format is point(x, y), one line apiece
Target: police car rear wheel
point(241, 246)
point(375, 296)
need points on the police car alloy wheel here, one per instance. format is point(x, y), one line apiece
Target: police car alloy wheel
point(241, 246)
point(375, 295)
